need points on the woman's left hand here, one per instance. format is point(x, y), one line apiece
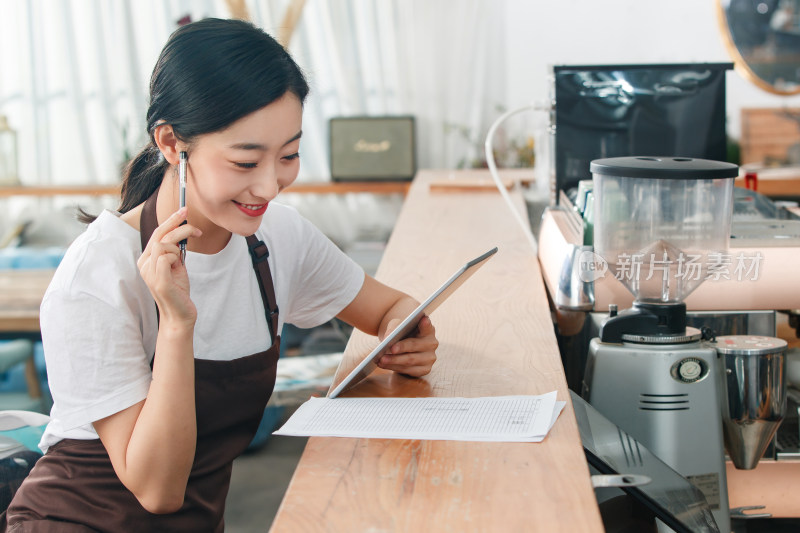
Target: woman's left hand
point(414, 355)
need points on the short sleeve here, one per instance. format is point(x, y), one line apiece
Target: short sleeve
point(96, 361)
point(98, 324)
point(322, 279)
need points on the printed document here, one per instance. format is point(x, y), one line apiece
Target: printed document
point(496, 418)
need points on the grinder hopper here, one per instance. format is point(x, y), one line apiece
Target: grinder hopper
point(662, 222)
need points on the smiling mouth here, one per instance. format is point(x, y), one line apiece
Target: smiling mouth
point(252, 209)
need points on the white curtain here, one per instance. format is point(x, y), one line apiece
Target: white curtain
point(73, 81)
point(74, 74)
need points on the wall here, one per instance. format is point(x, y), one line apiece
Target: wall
point(573, 32)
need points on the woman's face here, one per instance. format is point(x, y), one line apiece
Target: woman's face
point(233, 174)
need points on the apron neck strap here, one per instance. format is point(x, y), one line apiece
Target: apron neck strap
point(148, 221)
point(259, 254)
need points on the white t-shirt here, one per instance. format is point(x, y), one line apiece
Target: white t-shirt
point(98, 318)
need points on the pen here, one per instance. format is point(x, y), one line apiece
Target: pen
point(182, 194)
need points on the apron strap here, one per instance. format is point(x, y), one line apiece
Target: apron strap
point(259, 253)
point(148, 221)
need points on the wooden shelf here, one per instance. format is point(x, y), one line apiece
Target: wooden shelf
point(344, 187)
point(322, 187)
point(57, 190)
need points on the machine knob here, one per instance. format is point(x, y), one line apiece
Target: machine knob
point(689, 370)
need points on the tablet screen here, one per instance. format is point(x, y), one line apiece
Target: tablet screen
point(368, 364)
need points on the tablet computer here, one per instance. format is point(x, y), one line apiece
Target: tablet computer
point(368, 364)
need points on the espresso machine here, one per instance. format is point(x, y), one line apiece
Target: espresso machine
point(661, 227)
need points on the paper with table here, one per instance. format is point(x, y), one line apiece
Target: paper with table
point(496, 418)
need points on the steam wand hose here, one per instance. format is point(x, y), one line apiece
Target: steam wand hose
point(524, 224)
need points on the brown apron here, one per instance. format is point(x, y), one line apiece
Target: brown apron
point(73, 488)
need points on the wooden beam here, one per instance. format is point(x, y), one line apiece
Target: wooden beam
point(290, 20)
point(238, 9)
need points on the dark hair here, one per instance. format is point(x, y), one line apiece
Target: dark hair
point(210, 74)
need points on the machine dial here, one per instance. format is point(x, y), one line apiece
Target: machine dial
point(689, 370)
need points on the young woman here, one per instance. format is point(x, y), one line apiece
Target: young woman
point(160, 370)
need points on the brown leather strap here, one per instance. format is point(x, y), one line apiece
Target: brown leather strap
point(148, 221)
point(259, 254)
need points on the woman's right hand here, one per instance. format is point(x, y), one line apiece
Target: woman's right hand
point(166, 277)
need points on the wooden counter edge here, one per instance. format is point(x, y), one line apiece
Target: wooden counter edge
point(773, 484)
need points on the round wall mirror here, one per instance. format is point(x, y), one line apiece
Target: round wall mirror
point(763, 39)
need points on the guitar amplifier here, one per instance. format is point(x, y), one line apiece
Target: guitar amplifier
point(372, 148)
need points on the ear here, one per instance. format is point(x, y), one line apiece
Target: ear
point(168, 143)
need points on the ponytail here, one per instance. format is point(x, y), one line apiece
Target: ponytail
point(142, 176)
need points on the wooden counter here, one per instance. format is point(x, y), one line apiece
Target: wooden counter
point(496, 338)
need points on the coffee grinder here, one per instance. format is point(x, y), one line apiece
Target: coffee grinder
point(662, 224)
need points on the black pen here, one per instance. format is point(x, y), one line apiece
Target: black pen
point(182, 194)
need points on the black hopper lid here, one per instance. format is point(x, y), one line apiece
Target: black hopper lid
point(654, 167)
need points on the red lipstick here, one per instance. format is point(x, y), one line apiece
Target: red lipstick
point(252, 210)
